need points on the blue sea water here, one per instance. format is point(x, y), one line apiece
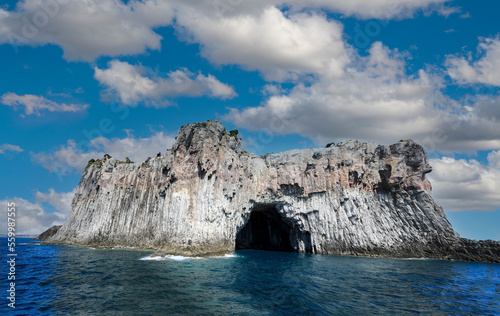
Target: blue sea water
point(63, 280)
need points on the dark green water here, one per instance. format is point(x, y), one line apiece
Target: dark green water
point(56, 280)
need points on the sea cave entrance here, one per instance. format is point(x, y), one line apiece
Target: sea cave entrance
point(265, 230)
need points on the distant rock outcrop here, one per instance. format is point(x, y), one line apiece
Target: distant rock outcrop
point(208, 196)
point(49, 232)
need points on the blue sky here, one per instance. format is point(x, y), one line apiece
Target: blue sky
point(84, 78)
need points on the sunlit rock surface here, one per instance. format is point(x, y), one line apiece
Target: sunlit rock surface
point(207, 196)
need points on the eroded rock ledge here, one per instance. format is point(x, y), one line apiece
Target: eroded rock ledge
point(207, 196)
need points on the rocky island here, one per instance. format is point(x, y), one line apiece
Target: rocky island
point(207, 196)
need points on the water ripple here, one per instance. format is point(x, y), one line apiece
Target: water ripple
point(61, 280)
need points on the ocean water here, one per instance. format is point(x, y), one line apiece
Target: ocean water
point(63, 280)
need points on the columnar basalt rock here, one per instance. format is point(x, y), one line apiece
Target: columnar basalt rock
point(207, 196)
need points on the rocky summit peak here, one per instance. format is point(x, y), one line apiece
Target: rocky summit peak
point(205, 136)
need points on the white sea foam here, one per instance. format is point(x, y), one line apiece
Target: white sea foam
point(152, 258)
point(229, 255)
point(170, 257)
point(182, 258)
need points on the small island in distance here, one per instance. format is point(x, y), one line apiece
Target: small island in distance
point(207, 196)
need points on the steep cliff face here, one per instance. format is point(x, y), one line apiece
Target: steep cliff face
point(207, 196)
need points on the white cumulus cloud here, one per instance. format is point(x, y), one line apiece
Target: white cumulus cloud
point(73, 156)
point(494, 159)
point(35, 105)
point(8, 147)
point(133, 84)
point(377, 100)
point(60, 201)
point(87, 29)
point(361, 9)
point(466, 185)
point(278, 45)
point(484, 70)
point(31, 218)
point(381, 9)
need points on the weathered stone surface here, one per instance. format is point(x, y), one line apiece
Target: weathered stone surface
point(353, 198)
point(49, 232)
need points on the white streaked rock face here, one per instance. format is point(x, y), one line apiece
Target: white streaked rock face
point(353, 198)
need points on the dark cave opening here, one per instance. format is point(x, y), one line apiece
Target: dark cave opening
point(265, 230)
